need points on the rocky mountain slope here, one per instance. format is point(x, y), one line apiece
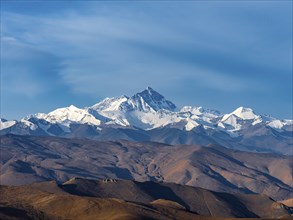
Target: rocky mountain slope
point(28, 159)
point(92, 199)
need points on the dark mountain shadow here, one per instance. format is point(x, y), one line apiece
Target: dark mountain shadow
point(238, 208)
point(121, 173)
point(158, 191)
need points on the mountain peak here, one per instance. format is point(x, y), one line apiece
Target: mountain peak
point(150, 100)
point(149, 88)
point(243, 109)
point(73, 108)
point(244, 113)
point(151, 93)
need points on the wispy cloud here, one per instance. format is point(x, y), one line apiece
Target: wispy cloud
point(102, 51)
point(25, 70)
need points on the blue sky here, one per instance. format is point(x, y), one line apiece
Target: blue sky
point(215, 54)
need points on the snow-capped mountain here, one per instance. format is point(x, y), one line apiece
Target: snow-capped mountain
point(150, 101)
point(6, 124)
point(67, 116)
point(147, 100)
point(148, 115)
point(146, 110)
point(113, 104)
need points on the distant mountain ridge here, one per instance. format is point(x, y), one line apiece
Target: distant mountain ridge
point(148, 115)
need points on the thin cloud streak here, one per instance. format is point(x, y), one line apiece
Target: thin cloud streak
point(121, 49)
point(78, 33)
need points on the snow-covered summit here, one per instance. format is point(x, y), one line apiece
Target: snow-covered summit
point(72, 113)
point(148, 110)
point(241, 112)
point(67, 115)
point(147, 100)
point(244, 113)
point(150, 100)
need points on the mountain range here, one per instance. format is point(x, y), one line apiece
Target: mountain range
point(149, 116)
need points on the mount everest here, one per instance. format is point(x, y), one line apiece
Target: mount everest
point(148, 116)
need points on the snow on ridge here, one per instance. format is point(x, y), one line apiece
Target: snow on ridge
point(148, 110)
point(280, 125)
point(110, 104)
point(199, 110)
point(244, 113)
point(29, 124)
point(64, 116)
point(149, 100)
point(6, 124)
point(241, 112)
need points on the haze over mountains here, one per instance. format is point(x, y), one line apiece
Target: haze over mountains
point(148, 116)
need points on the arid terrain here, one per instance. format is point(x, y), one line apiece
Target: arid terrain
point(124, 199)
point(28, 159)
point(60, 178)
